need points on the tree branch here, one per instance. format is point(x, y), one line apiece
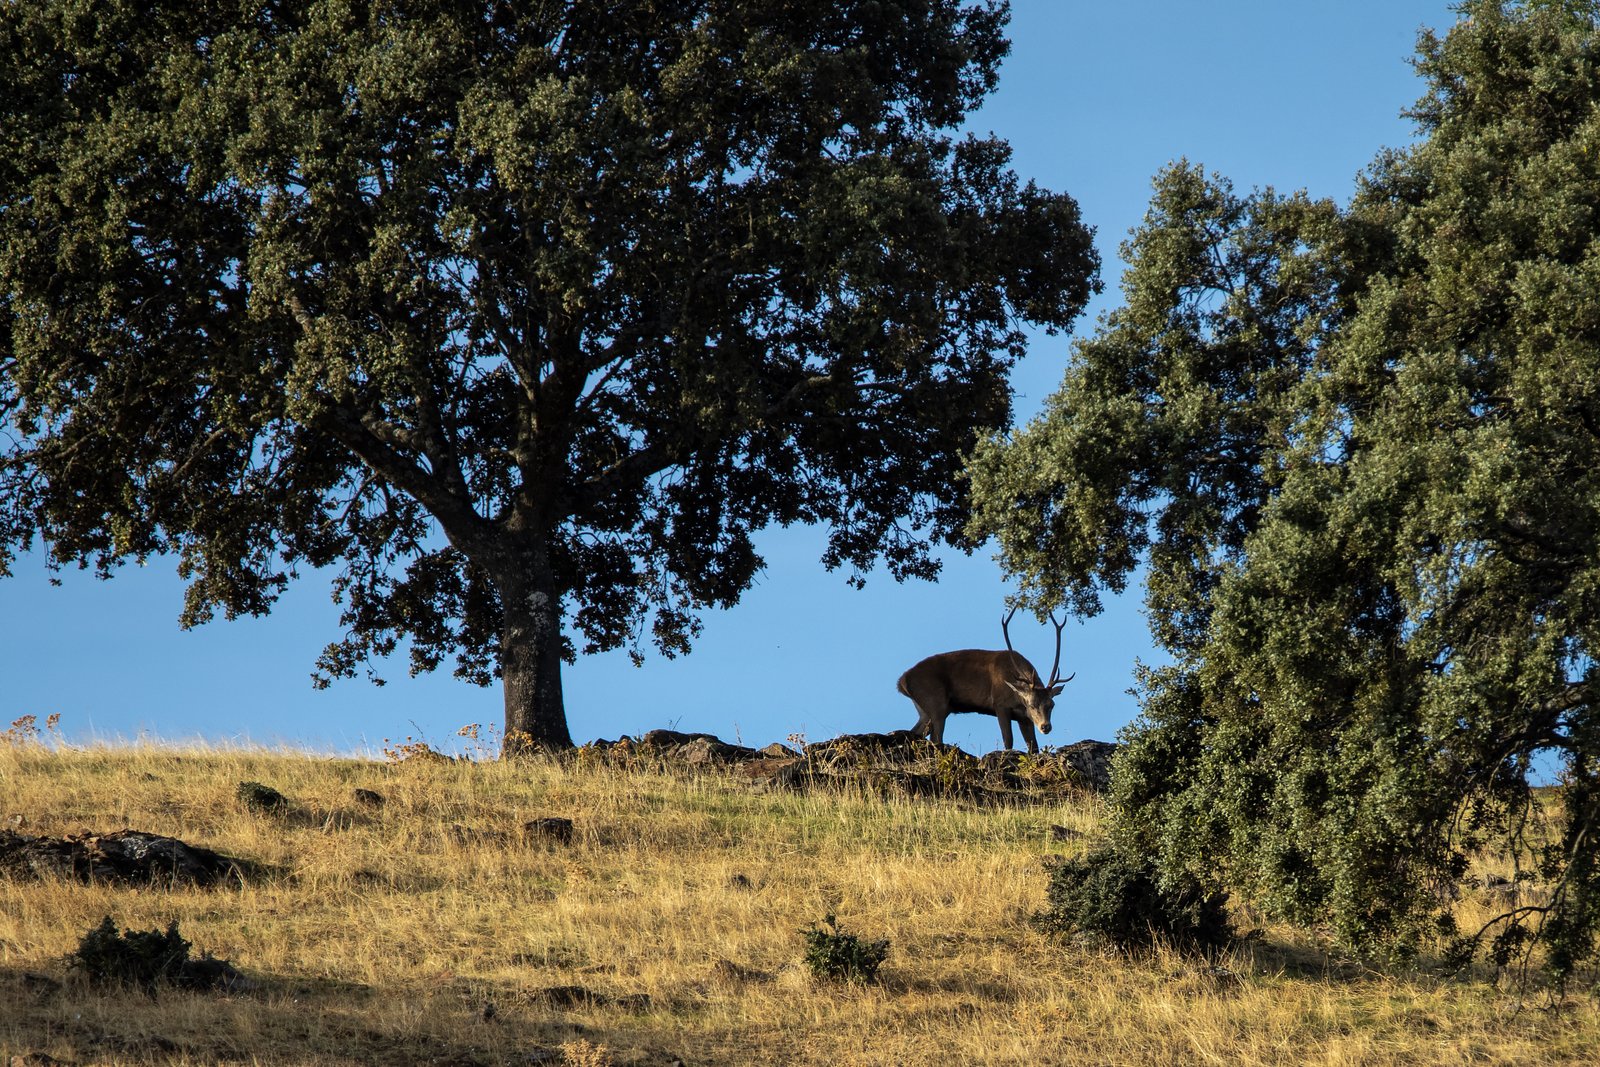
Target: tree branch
point(660, 455)
point(378, 443)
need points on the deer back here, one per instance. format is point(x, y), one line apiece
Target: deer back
point(974, 677)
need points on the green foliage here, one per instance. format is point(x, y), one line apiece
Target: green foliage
point(148, 959)
point(140, 958)
point(526, 317)
point(1121, 899)
point(1358, 450)
point(835, 955)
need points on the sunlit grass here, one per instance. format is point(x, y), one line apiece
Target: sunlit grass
point(385, 934)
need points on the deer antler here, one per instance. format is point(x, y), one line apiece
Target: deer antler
point(1005, 623)
point(1055, 668)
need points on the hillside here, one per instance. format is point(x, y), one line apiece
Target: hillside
point(434, 925)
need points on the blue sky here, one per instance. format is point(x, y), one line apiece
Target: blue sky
point(1095, 98)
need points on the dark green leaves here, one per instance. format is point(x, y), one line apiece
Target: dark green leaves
point(462, 297)
point(1357, 450)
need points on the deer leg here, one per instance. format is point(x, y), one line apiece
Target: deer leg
point(929, 723)
point(1026, 726)
point(1005, 728)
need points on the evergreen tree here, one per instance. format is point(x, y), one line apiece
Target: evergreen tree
point(1359, 449)
point(527, 316)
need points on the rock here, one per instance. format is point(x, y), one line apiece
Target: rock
point(258, 797)
point(369, 797)
point(1091, 759)
point(899, 760)
point(740, 881)
point(706, 751)
point(549, 828)
point(130, 857)
point(1062, 833)
point(1000, 761)
point(672, 738)
point(773, 773)
point(852, 749)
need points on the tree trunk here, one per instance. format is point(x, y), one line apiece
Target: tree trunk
point(530, 657)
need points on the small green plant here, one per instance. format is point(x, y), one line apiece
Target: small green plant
point(1115, 897)
point(834, 955)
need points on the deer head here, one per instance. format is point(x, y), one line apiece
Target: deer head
point(1037, 700)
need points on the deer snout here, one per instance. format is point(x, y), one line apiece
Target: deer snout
point(1044, 728)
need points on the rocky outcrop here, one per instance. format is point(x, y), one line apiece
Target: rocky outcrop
point(126, 857)
point(898, 762)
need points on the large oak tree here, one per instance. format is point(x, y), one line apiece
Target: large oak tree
point(527, 316)
point(1358, 449)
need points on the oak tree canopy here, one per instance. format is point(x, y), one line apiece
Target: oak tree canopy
point(526, 317)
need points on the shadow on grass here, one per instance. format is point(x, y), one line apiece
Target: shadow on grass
point(283, 1019)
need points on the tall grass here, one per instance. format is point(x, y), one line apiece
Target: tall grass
point(388, 934)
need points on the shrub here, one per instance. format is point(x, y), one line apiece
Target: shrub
point(834, 955)
point(147, 958)
point(139, 958)
point(1116, 897)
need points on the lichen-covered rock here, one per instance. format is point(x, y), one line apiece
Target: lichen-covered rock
point(549, 828)
point(1092, 759)
point(130, 857)
point(368, 797)
point(899, 759)
point(857, 749)
point(264, 798)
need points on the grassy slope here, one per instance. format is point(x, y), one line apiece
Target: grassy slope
point(385, 934)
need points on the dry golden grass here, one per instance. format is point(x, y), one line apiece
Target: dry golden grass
point(386, 935)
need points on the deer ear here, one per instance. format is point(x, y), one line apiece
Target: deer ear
point(1055, 691)
point(1021, 688)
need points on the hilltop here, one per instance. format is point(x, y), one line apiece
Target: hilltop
point(609, 910)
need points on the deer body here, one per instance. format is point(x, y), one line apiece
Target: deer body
point(1002, 684)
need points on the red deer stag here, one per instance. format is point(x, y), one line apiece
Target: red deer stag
point(1002, 684)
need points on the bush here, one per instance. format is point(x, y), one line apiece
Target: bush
point(834, 955)
point(1115, 897)
point(147, 958)
point(140, 958)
